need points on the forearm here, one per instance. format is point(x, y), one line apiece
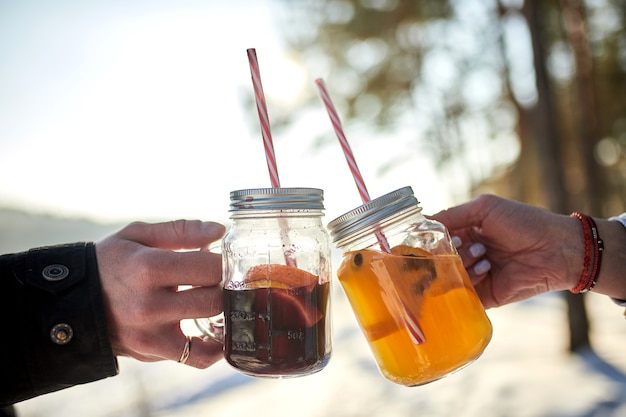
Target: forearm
point(55, 319)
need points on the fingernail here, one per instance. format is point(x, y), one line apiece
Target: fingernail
point(482, 267)
point(477, 249)
point(456, 241)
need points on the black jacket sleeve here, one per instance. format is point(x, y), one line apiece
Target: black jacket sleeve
point(53, 323)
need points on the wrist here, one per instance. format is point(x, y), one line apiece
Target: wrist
point(610, 278)
point(592, 255)
point(620, 219)
point(574, 252)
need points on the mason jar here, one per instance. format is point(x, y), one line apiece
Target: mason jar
point(276, 278)
point(407, 286)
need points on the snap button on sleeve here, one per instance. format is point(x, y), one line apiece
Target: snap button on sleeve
point(56, 269)
point(55, 272)
point(61, 333)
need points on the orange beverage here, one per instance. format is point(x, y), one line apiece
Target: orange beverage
point(409, 290)
point(435, 291)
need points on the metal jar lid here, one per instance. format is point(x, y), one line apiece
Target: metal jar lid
point(277, 199)
point(371, 213)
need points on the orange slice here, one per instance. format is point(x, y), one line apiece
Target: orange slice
point(278, 276)
point(293, 312)
point(405, 250)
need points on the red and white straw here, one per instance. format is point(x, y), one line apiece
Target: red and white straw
point(412, 324)
point(336, 122)
point(263, 117)
point(268, 144)
point(347, 151)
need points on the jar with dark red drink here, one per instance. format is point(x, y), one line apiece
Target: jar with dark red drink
point(276, 278)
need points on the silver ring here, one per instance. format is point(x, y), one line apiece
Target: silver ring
point(185, 355)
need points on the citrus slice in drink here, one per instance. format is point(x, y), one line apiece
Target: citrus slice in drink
point(293, 310)
point(290, 291)
point(405, 250)
point(278, 276)
point(417, 264)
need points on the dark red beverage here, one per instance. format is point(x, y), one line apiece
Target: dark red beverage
point(277, 331)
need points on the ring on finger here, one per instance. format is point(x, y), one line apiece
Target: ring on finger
point(186, 350)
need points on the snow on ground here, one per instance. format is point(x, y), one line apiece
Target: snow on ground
point(525, 372)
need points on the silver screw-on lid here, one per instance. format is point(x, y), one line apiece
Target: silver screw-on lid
point(277, 199)
point(371, 213)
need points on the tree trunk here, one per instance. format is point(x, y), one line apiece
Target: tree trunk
point(583, 104)
point(551, 164)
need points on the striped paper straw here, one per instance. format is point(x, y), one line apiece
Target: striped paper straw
point(268, 144)
point(347, 151)
point(412, 325)
point(263, 118)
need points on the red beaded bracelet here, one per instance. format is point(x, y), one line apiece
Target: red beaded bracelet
point(594, 246)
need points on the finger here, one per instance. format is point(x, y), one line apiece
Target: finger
point(174, 235)
point(456, 218)
point(201, 352)
point(479, 270)
point(168, 268)
point(466, 215)
point(463, 237)
point(470, 252)
point(193, 303)
point(483, 289)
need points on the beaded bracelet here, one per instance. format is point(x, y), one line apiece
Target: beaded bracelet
point(594, 246)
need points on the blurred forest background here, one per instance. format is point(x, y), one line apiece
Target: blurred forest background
point(524, 99)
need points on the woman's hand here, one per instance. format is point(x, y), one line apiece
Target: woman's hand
point(514, 251)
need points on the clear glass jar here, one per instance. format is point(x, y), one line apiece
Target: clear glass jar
point(277, 274)
point(408, 288)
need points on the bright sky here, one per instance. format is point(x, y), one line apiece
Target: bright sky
point(133, 110)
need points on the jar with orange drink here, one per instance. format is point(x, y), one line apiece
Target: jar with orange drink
point(409, 290)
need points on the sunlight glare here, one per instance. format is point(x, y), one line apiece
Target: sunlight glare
point(284, 81)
